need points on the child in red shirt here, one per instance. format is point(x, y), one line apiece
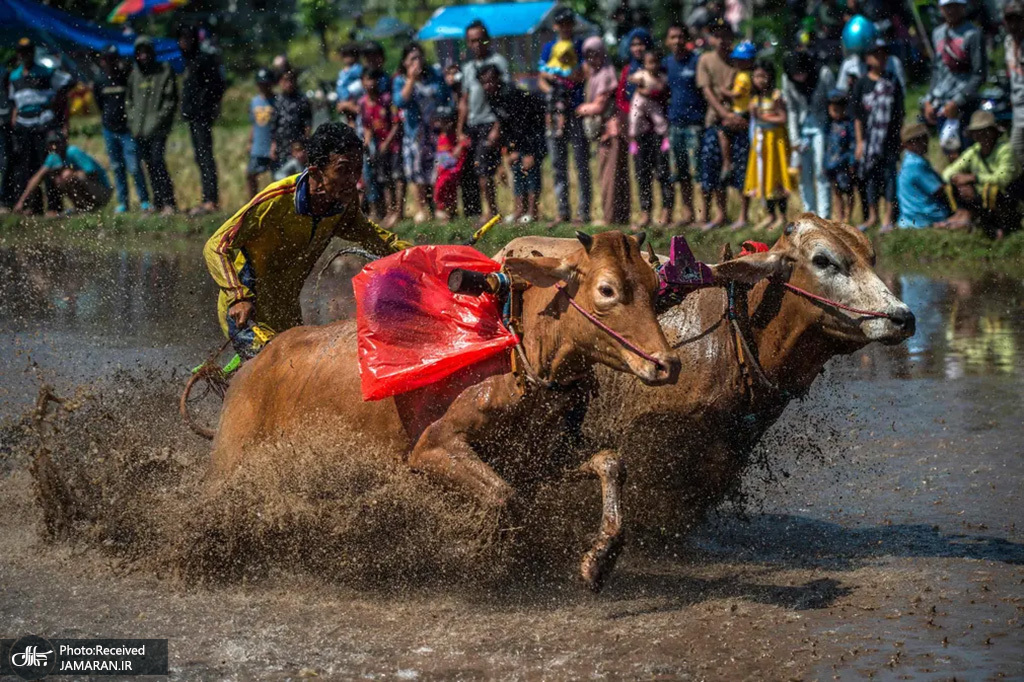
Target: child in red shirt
point(448, 163)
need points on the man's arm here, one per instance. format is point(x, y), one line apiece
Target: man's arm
point(979, 67)
point(223, 251)
point(463, 111)
point(369, 235)
point(962, 166)
point(1004, 171)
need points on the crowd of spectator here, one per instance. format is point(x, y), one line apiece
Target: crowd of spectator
point(698, 108)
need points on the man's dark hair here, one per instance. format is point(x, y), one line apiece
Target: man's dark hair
point(349, 50)
point(680, 26)
point(373, 74)
point(331, 138)
point(372, 47)
point(410, 47)
point(478, 23)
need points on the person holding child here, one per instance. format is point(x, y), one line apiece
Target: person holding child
point(768, 176)
point(648, 133)
point(738, 94)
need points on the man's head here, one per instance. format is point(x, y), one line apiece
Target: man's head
point(565, 22)
point(188, 39)
point(477, 39)
point(25, 51)
point(56, 143)
point(675, 39)
point(877, 55)
point(298, 152)
point(984, 130)
point(445, 119)
point(953, 11)
point(639, 43)
point(371, 81)
point(915, 138)
point(349, 53)
point(289, 82)
point(1013, 15)
point(335, 157)
point(145, 54)
point(110, 60)
point(373, 55)
point(720, 36)
point(594, 52)
point(490, 79)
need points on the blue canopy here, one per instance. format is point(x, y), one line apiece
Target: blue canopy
point(501, 19)
point(59, 29)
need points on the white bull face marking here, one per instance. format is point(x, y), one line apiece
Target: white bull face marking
point(837, 262)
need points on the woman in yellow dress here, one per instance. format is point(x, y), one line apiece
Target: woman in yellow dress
point(768, 175)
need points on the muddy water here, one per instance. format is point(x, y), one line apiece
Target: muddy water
point(898, 553)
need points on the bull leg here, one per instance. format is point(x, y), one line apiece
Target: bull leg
point(600, 559)
point(447, 457)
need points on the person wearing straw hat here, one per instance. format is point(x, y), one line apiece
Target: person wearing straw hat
point(925, 200)
point(986, 179)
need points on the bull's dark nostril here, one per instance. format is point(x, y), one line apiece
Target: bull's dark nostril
point(904, 319)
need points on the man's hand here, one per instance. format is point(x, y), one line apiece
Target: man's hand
point(929, 113)
point(735, 122)
point(963, 179)
point(527, 162)
point(951, 110)
point(241, 312)
point(493, 138)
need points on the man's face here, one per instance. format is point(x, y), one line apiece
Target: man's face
point(288, 83)
point(565, 28)
point(953, 14)
point(186, 43)
point(919, 145)
point(26, 56)
point(722, 40)
point(374, 61)
point(341, 174)
point(987, 138)
point(143, 55)
point(674, 40)
point(476, 41)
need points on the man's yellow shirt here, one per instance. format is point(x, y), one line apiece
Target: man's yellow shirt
point(265, 252)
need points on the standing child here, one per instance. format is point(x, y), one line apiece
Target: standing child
point(768, 174)
point(261, 115)
point(742, 57)
point(380, 133)
point(877, 101)
point(648, 132)
point(292, 120)
point(297, 162)
point(839, 154)
point(450, 156)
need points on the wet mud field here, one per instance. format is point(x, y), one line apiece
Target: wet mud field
point(891, 547)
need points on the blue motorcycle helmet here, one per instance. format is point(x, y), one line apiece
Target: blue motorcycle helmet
point(859, 35)
point(744, 50)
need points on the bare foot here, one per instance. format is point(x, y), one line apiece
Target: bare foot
point(665, 217)
point(645, 221)
point(776, 224)
point(764, 223)
point(738, 224)
point(685, 220)
point(713, 224)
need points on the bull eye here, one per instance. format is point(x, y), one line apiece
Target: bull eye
point(789, 229)
point(606, 291)
point(822, 262)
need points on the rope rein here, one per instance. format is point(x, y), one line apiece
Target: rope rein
point(835, 304)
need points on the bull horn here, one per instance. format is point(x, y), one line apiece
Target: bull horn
point(640, 237)
point(585, 239)
point(652, 257)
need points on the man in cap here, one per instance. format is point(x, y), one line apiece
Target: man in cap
point(74, 175)
point(39, 94)
point(110, 92)
point(561, 79)
point(1013, 14)
point(958, 70)
point(202, 87)
point(986, 178)
point(923, 196)
point(151, 101)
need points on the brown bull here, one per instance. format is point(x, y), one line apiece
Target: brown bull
point(458, 433)
point(687, 443)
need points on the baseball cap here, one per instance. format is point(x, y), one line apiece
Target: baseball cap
point(837, 96)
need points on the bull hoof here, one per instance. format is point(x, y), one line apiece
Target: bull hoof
point(599, 561)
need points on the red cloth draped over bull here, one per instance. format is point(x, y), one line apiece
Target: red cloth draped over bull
point(412, 330)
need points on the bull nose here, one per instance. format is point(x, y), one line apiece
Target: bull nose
point(905, 320)
point(668, 367)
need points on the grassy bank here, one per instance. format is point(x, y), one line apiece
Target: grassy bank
point(928, 249)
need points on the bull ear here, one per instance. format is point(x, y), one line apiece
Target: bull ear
point(585, 239)
point(750, 269)
point(540, 272)
point(640, 237)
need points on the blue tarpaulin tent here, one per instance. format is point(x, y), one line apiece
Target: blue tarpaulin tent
point(66, 32)
point(518, 29)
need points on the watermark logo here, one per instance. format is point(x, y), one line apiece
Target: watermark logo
point(32, 658)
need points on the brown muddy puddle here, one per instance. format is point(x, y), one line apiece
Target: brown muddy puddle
point(895, 553)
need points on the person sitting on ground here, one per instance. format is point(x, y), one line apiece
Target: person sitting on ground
point(75, 175)
point(986, 178)
point(263, 254)
point(924, 198)
point(261, 115)
point(296, 163)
